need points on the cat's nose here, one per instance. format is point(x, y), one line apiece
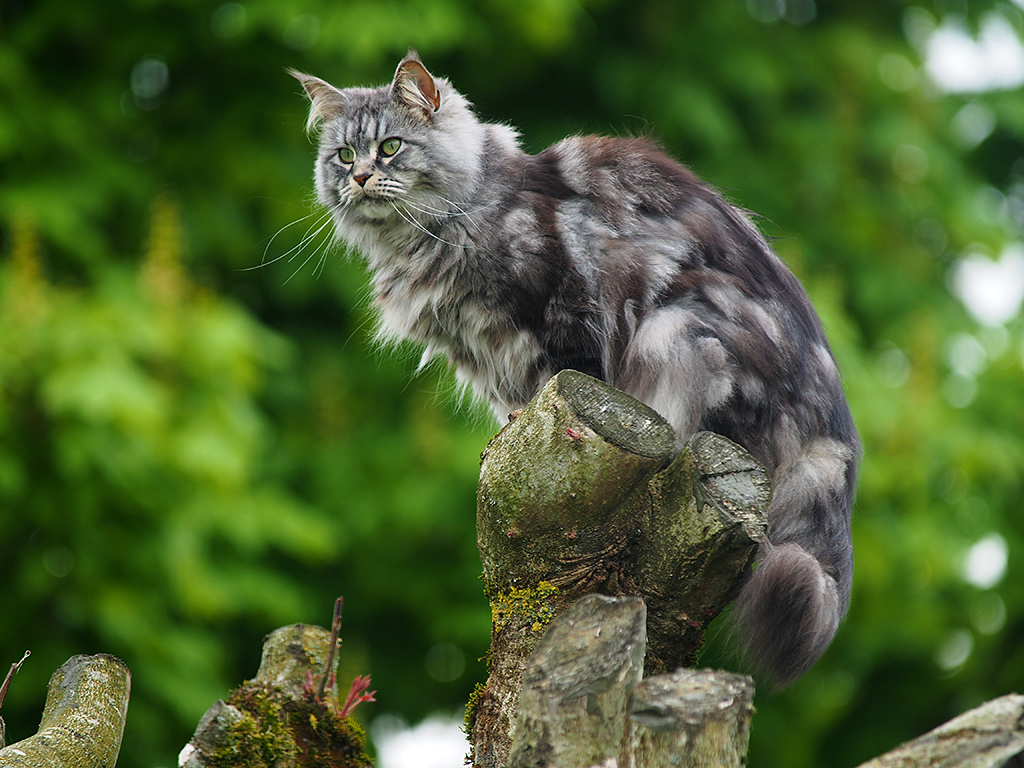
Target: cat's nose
point(361, 178)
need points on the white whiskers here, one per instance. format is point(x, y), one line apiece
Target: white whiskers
point(314, 245)
point(320, 251)
point(312, 233)
point(410, 219)
point(448, 213)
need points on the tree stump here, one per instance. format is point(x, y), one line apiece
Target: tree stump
point(574, 703)
point(583, 492)
point(693, 718)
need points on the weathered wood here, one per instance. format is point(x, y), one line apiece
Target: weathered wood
point(708, 513)
point(215, 730)
point(573, 706)
point(292, 655)
point(693, 718)
point(83, 719)
point(583, 681)
point(990, 736)
point(276, 719)
point(558, 479)
point(581, 494)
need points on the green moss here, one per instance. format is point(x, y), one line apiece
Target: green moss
point(534, 605)
point(326, 740)
point(259, 738)
point(471, 705)
point(276, 730)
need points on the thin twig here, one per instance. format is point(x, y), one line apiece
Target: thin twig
point(332, 649)
point(10, 675)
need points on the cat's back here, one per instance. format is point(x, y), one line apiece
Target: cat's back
point(624, 206)
point(630, 172)
point(661, 258)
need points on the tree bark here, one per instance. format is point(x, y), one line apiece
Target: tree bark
point(573, 706)
point(991, 736)
point(693, 718)
point(581, 494)
point(83, 719)
point(583, 702)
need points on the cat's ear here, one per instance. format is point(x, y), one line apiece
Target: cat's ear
point(415, 86)
point(326, 101)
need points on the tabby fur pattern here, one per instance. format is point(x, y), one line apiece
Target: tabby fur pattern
point(606, 256)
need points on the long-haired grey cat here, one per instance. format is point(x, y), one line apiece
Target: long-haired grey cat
point(607, 256)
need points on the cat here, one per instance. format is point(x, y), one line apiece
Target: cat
point(606, 256)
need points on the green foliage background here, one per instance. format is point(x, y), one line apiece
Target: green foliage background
point(195, 449)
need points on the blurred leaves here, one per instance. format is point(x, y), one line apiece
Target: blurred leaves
point(200, 440)
point(131, 455)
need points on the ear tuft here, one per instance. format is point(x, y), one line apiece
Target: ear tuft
point(326, 101)
point(415, 86)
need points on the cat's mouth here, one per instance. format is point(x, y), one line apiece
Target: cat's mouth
point(372, 205)
point(368, 196)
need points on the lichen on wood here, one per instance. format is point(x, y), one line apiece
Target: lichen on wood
point(532, 606)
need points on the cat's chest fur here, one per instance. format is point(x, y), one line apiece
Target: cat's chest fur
point(438, 295)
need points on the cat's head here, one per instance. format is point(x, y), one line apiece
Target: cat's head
point(400, 150)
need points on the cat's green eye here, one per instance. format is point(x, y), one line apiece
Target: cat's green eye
point(347, 155)
point(388, 147)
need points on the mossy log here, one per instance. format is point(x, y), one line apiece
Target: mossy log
point(276, 719)
point(584, 492)
point(83, 719)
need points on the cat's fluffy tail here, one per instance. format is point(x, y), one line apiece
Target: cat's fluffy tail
point(786, 613)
